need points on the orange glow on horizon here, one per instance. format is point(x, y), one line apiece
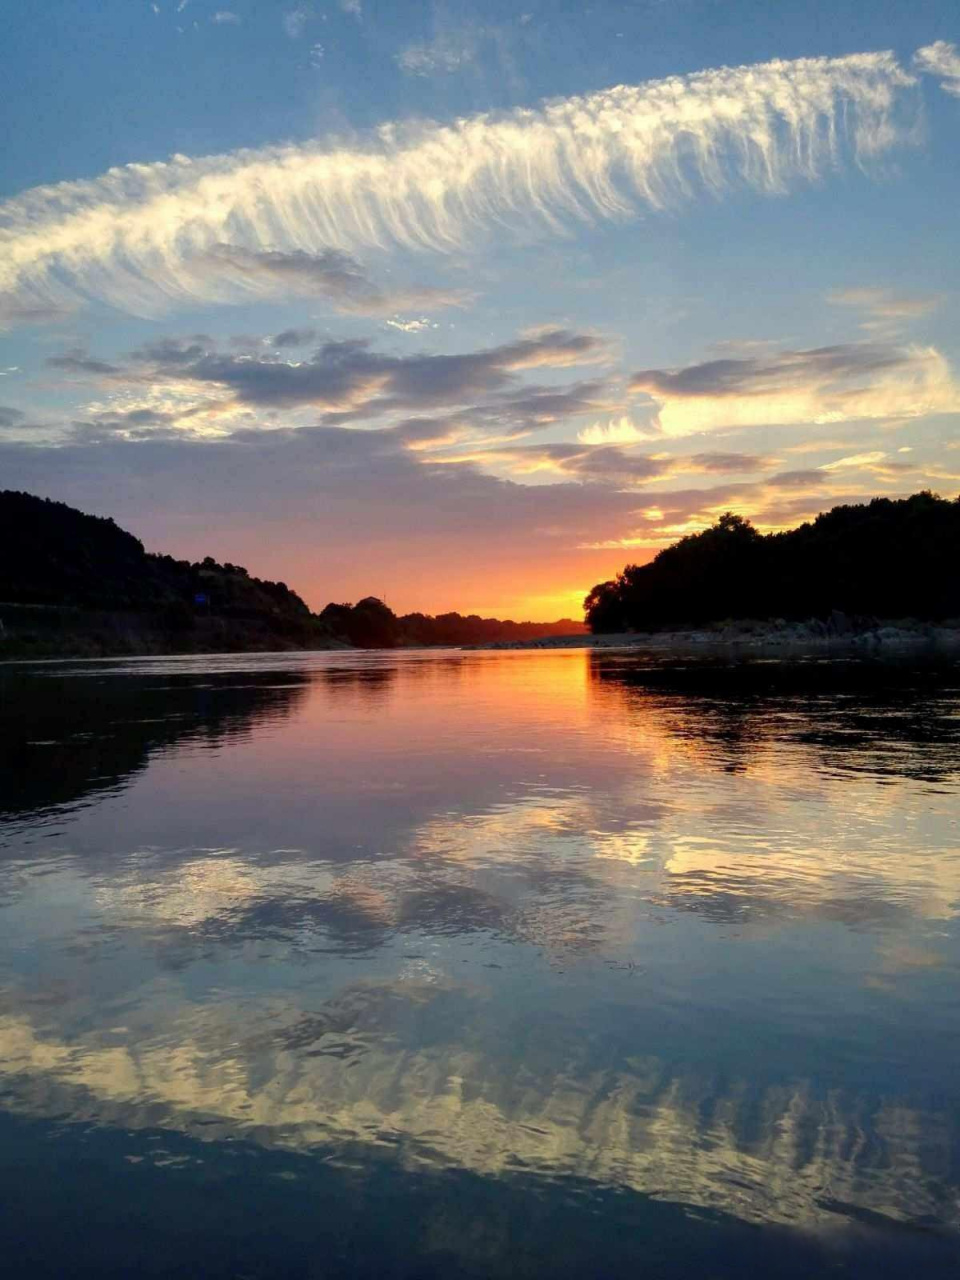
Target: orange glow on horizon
point(523, 592)
point(486, 600)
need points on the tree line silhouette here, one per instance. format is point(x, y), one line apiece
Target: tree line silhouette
point(370, 624)
point(81, 583)
point(885, 559)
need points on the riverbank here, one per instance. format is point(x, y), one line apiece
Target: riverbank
point(53, 632)
point(835, 635)
point(60, 631)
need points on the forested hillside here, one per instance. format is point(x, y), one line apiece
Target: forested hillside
point(81, 583)
point(883, 559)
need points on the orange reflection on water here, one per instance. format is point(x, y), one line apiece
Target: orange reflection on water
point(680, 928)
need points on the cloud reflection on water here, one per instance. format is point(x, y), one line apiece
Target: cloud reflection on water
point(697, 938)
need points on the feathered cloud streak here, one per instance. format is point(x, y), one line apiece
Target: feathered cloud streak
point(143, 235)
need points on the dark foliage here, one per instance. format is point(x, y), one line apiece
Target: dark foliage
point(370, 624)
point(51, 554)
point(79, 584)
point(75, 583)
point(455, 629)
point(883, 559)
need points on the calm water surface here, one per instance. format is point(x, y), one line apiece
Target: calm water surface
point(479, 964)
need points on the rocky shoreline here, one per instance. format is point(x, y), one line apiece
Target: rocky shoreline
point(835, 634)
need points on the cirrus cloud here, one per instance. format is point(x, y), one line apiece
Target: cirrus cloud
point(141, 236)
point(885, 311)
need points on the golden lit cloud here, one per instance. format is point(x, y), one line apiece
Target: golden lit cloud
point(854, 461)
point(622, 430)
point(844, 383)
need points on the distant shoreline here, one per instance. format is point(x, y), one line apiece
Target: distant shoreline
point(130, 636)
point(766, 637)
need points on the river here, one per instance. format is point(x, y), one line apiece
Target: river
point(443, 964)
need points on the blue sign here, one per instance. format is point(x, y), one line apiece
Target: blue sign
point(201, 598)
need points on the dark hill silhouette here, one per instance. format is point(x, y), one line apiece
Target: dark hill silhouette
point(71, 582)
point(53, 554)
point(883, 559)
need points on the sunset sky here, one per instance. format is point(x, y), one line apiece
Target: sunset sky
point(466, 306)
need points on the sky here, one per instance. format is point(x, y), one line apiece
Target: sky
point(468, 305)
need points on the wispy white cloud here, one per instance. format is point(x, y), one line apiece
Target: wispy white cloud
point(445, 53)
point(886, 303)
point(134, 236)
point(885, 311)
point(417, 325)
point(295, 21)
point(854, 461)
point(941, 59)
point(226, 17)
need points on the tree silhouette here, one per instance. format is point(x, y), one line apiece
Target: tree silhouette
point(56, 558)
point(370, 624)
point(883, 559)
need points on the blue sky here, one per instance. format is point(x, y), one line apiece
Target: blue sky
point(477, 301)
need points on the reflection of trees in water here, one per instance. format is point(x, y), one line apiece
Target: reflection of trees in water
point(373, 682)
point(67, 738)
point(370, 684)
point(899, 719)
